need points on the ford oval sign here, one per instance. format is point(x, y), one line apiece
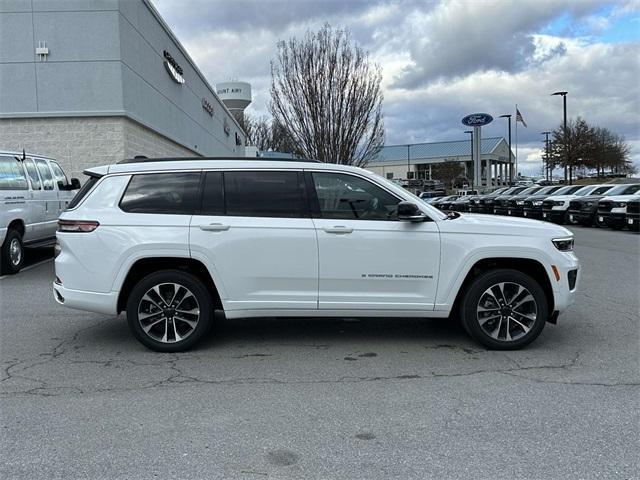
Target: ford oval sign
point(477, 120)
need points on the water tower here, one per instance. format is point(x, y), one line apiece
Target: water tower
point(236, 96)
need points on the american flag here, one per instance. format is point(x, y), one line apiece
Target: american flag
point(519, 118)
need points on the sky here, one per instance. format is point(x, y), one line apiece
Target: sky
point(442, 60)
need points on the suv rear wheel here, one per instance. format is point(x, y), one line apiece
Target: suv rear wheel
point(169, 311)
point(504, 309)
point(12, 253)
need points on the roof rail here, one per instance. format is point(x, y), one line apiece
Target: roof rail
point(139, 159)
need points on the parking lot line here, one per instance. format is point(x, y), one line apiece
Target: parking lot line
point(29, 267)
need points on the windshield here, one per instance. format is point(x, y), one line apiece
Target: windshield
point(601, 190)
point(567, 190)
point(547, 190)
point(530, 190)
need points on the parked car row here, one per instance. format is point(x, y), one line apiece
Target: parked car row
point(608, 205)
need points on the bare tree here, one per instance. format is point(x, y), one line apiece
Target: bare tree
point(267, 135)
point(326, 94)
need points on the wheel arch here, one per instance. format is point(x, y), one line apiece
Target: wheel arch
point(145, 266)
point(528, 266)
point(17, 224)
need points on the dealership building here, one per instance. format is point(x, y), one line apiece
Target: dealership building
point(394, 161)
point(93, 82)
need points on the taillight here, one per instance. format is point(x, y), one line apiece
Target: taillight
point(79, 226)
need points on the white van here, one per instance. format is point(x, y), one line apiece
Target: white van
point(34, 191)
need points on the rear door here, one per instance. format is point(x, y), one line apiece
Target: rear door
point(369, 260)
point(49, 197)
point(255, 235)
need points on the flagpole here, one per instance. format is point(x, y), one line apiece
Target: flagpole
point(516, 142)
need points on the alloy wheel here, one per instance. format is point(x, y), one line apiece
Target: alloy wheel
point(168, 312)
point(506, 311)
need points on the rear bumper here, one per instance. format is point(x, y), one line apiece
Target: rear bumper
point(90, 301)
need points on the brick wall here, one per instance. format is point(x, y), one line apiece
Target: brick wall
point(81, 142)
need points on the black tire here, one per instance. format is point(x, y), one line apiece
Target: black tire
point(8, 264)
point(203, 303)
point(470, 304)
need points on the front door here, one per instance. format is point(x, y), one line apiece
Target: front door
point(255, 235)
point(369, 260)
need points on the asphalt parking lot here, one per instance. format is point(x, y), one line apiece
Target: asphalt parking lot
point(295, 398)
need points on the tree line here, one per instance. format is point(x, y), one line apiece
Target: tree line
point(587, 147)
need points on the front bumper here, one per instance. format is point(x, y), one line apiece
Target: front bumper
point(82, 300)
point(554, 215)
point(565, 288)
point(532, 213)
point(633, 221)
point(516, 211)
point(612, 219)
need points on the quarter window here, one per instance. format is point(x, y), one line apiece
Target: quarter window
point(264, 194)
point(12, 175)
point(161, 193)
point(32, 172)
point(353, 198)
point(45, 174)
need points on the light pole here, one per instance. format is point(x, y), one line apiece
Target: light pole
point(510, 159)
point(470, 132)
point(547, 168)
point(564, 130)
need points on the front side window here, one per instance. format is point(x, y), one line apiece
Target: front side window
point(45, 174)
point(347, 197)
point(162, 193)
point(631, 190)
point(12, 175)
point(264, 194)
point(58, 174)
point(32, 172)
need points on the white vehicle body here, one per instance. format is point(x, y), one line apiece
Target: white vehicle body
point(30, 197)
point(306, 266)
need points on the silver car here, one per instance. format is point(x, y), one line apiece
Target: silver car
point(34, 190)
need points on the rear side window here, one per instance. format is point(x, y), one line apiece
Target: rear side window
point(162, 193)
point(45, 174)
point(12, 175)
point(82, 192)
point(34, 179)
point(264, 194)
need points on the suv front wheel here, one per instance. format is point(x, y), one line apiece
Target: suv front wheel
point(504, 309)
point(169, 311)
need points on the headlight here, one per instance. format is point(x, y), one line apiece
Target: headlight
point(537, 203)
point(564, 244)
point(519, 202)
point(619, 204)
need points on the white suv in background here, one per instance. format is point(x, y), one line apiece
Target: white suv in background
point(34, 190)
point(170, 241)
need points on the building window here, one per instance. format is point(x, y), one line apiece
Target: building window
point(390, 176)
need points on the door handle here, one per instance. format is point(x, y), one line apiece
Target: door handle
point(340, 230)
point(214, 227)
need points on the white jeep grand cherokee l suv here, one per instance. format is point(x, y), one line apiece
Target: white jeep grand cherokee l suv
point(170, 241)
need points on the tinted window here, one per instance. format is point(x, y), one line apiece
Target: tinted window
point(34, 179)
point(45, 174)
point(12, 174)
point(58, 174)
point(82, 192)
point(631, 189)
point(213, 194)
point(264, 194)
point(353, 198)
point(165, 193)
